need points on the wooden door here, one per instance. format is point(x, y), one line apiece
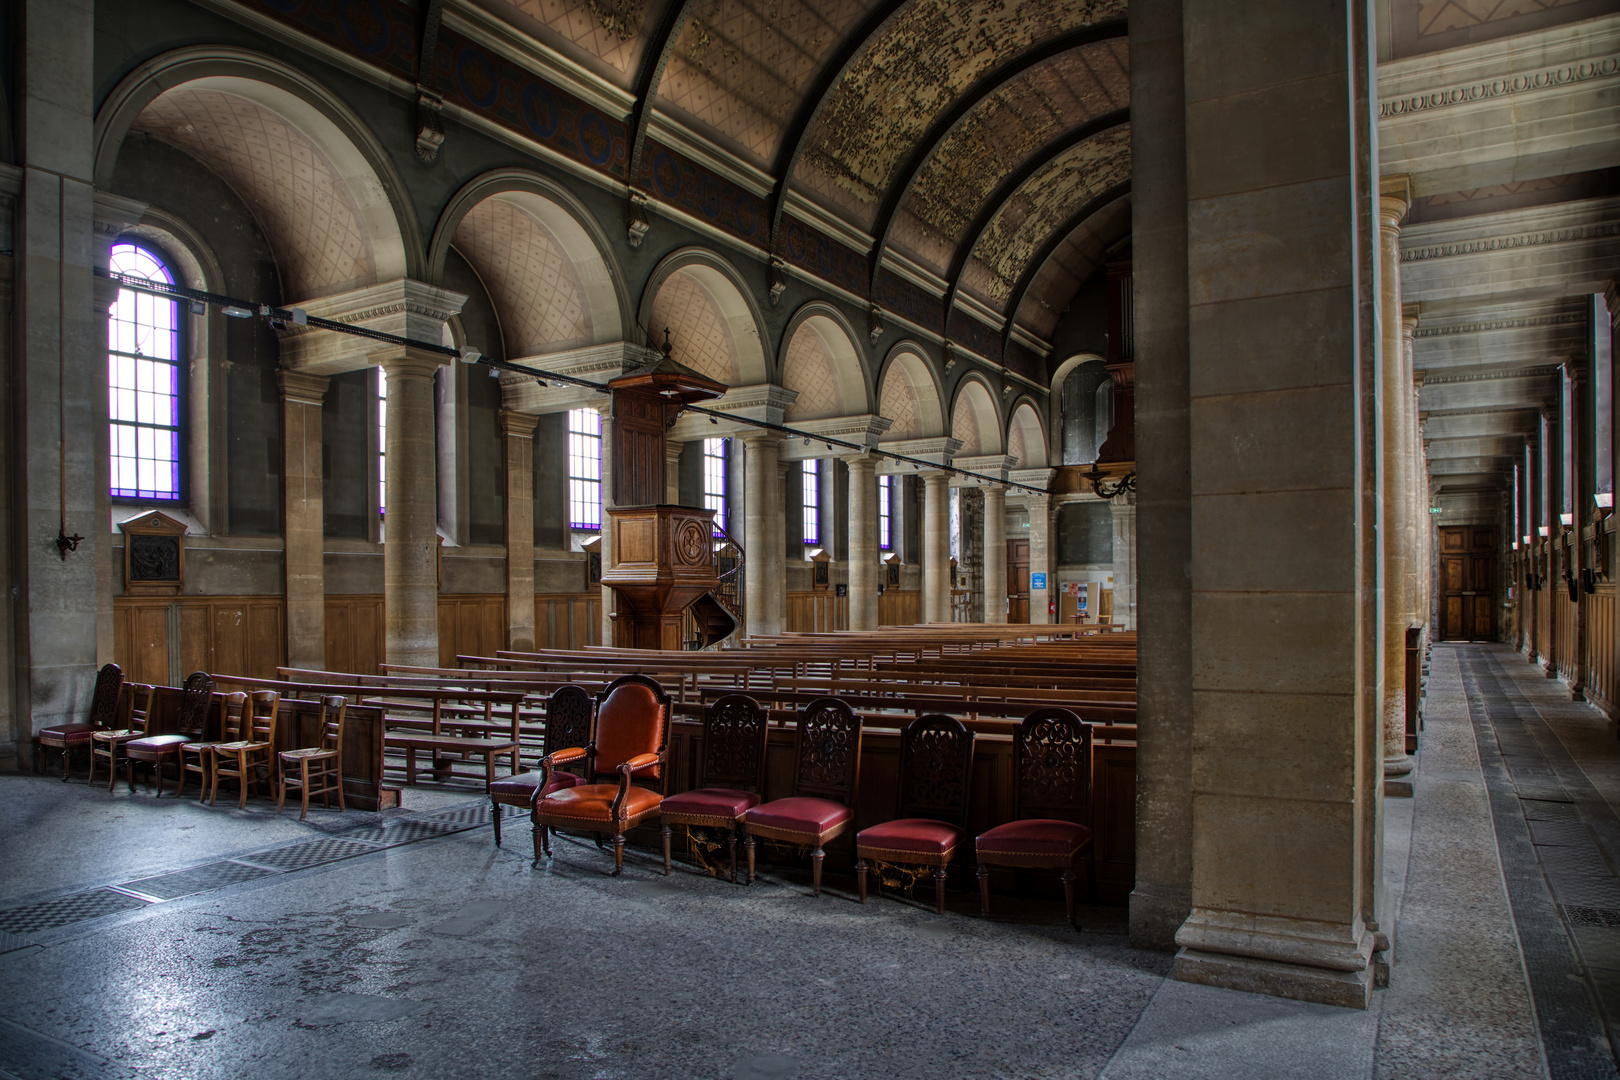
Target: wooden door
point(1468, 583)
point(1018, 581)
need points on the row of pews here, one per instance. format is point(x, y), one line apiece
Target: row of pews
point(486, 716)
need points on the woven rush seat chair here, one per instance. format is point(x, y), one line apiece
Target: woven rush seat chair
point(191, 725)
point(568, 723)
point(103, 716)
point(826, 779)
point(931, 803)
point(133, 706)
point(240, 760)
point(731, 772)
point(628, 738)
point(1052, 805)
point(320, 768)
point(198, 757)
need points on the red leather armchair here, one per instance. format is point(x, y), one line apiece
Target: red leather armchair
point(931, 803)
point(1052, 805)
point(628, 739)
point(731, 772)
point(568, 724)
point(826, 778)
point(103, 717)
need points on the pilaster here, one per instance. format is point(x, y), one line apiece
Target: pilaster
point(303, 517)
point(517, 430)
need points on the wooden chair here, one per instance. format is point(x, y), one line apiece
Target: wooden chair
point(232, 728)
point(327, 757)
point(1051, 805)
point(70, 737)
point(931, 803)
point(629, 738)
point(134, 703)
point(568, 724)
point(191, 725)
point(826, 779)
point(733, 762)
point(238, 760)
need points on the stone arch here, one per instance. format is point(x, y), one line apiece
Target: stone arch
point(326, 192)
point(910, 395)
point(717, 328)
point(1026, 437)
point(975, 420)
point(546, 263)
point(822, 362)
point(1054, 423)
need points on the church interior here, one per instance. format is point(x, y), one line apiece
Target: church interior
point(756, 539)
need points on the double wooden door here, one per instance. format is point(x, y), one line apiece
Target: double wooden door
point(1018, 581)
point(1468, 583)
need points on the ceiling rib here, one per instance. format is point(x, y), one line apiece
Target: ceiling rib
point(651, 73)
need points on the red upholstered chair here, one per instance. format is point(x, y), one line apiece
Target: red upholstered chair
point(190, 725)
point(241, 760)
point(320, 767)
point(133, 704)
point(103, 716)
point(731, 772)
point(198, 757)
point(1051, 802)
point(568, 724)
point(627, 739)
point(826, 778)
point(931, 803)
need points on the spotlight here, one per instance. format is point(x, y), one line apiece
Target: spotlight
point(541, 382)
point(199, 308)
point(713, 421)
point(300, 317)
point(494, 373)
point(237, 312)
point(807, 442)
point(470, 355)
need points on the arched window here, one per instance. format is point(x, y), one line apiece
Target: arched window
point(715, 460)
point(584, 470)
point(143, 383)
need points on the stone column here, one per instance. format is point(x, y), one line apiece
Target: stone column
point(410, 526)
point(1040, 559)
point(936, 544)
point(672, 472)
point(762, 543)
point(518, 431)
point(995, 554)
point(606, 547)
point(1124, 512)
point(864, 556)
point(303, 516)
point(1395, 397)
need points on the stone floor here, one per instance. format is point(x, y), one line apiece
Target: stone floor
point(153, 938)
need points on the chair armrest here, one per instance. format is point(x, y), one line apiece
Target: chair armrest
point(549, 763)
point(626, 771)
point(637, 763)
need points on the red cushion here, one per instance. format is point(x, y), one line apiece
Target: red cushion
point(911, 834)
point(523, 785)
point(711, 802)
point(594, 802)
point(1035, 836)
point(801, 814)
point(628, 723)
point(155, 744)
point(66, 734)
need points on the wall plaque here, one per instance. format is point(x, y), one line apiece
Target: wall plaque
point(154, 555)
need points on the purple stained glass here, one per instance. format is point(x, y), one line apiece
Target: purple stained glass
point(143, 383)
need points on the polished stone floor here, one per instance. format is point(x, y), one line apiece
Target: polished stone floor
point(154, 938)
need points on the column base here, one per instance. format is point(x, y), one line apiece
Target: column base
point(1550, 669)
point(1350, 989)
point(1156, 914)
point(1398, 764)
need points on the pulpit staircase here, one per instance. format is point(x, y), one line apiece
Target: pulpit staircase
point(719, 613)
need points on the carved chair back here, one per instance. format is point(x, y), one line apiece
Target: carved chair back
point(734, 728)
point(827, 759)
point(936, 765)
point(632, 717)
point(333, 709)
point(104, 702)
point(1052, 767)
point(134, 704)
point(195, 698)
point(262, 710)
point(568, 719)
point(233, 717)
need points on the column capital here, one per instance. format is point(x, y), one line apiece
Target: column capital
point(518, 424)
point(302, 386)
point(1394, 199)
point(403, 307)
point(859, 462)
point(404, 362)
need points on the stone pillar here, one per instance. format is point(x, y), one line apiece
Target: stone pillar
point(1395, 397)
point(609, 603)
point(1124, 511)
point(936, 544)
point(762, 533)
point(1040, 559)
point(303, 516)
point(518, 431)
point(672, 472)
point(995, 554)
point(864, 556)
point(410, 525)
point(1162, 896)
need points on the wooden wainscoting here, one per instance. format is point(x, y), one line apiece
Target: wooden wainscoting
point(900, 607)
point(471, 625)
point(162, 639)
point(815, 612)
point(356, 637)
point(567, 620)
point(1600, 650)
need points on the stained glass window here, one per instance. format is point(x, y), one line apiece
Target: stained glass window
point(585, 469)
point(143, 383)
point(812, 502)
point(886, 513)
point(714, 482)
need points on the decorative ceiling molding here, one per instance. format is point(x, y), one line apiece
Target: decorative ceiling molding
point(1539, 371)
point(1523, 323)
point(1607, 68)
point(1046, 251)
point(1596, 231)
point(653, 61)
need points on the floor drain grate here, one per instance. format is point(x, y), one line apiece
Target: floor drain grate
point(300, 856)
point(197, 879)
point(403, 831)
point(1591, 916)
point(467, 815)
point(49, 914)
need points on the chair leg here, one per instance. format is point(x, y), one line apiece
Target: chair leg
point(598, 838)
point(748, 845)
point(337, 776)
point(733, 846)
point(860, 879)
point(92, 777)
point(984, 890)
point(816, 858)
point(66, 762)
point(1068, 894)
point(939, 888)
point(539, 837)
point(303, 787)
point(213, 780)
point(242, 780)
point(157, 767)
point(618, 854)
point(665, 831)
point(496, 821)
